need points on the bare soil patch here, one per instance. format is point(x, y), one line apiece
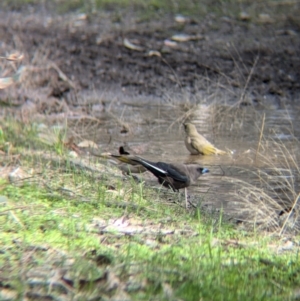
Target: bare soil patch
point(262, 58)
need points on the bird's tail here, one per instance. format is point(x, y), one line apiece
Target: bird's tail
point(220, 152)
point(211, 150)
point(128, 159)
point(102, 155)
point(124, 156)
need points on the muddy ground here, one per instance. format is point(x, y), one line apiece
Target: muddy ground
point(260, 56)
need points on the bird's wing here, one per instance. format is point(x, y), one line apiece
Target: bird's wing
point(163, 170)
point(173, 172)
point(157, 169)
point(204, 148)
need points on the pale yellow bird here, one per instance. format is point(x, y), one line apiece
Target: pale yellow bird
point(197, 144)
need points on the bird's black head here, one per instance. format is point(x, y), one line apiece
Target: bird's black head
point(122, 151)
point(203, 170)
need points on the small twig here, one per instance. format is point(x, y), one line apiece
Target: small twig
point(222, 170)
point(248, 78)
point(290, 213)
point(184, 116)
point(193, 205)
point(120, 122)
point(260, 136)
point(16, 219)
point(62, 75)
point(173, 71)
point(247, 81)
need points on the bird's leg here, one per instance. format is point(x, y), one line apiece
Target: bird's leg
point(186, 201)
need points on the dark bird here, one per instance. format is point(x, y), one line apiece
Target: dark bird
point(171, 175)
point(197, 144)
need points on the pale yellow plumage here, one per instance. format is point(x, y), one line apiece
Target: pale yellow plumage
point(197, 144)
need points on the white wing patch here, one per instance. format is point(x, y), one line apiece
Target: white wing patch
point(154, 167)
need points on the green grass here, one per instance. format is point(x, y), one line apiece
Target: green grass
point(201, 266)
point(68, 221)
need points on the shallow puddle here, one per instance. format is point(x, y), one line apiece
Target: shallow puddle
point(261, 164)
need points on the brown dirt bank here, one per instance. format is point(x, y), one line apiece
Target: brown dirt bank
point(262, 58)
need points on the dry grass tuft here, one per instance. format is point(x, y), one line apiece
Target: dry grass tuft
point(271, 200)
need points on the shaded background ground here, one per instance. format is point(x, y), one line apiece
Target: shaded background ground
point(259, 53)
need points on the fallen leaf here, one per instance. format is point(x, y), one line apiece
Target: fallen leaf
point(265, 18)
point(182, 37)
point(7, 81)
point(87, 143)
point(131, 46)
point(154, 53)
point(170, 43)
point(15, 57)
point(244, 16)
point(180, 19)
